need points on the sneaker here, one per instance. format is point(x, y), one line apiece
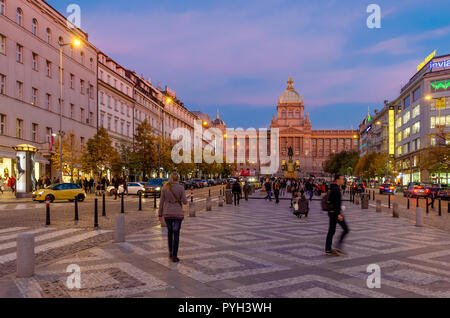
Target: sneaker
point(175, 259)
point(340, 252)
point(332, 253)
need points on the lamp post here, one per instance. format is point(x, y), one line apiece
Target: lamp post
point(75, 43)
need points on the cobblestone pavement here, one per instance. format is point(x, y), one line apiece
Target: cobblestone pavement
point(256, 250)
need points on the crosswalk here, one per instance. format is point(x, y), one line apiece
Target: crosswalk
point(46, 239)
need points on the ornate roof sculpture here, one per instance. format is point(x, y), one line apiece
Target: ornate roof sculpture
point(218, 121)
point(290, 95)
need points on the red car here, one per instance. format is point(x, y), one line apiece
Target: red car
point(416, 191)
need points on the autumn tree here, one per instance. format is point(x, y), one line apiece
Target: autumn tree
point(343, 162)
point(99, 154)
point(435, 159)
point(71, 155)
point(145, 154)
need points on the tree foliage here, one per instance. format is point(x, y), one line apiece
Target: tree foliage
point(71, 155)
point(342, 162)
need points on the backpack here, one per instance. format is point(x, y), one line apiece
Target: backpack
point(326, 204)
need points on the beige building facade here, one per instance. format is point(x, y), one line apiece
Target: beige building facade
point(30, 37)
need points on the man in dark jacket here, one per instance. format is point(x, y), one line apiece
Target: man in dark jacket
point(237, 190)
point(268, 187)
point(336, 217)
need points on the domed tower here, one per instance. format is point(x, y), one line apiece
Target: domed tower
point(290, 109)
point(219, 123)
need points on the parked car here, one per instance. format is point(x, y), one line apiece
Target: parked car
point(134, 188)
point(154, 186)
point(434, 188)
point(417, 191)
point(444, 194)
point(387, 188)
point(189, 185)
point(358, 187)
point(60, 191)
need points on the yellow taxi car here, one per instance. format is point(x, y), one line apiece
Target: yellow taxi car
point(60, 191)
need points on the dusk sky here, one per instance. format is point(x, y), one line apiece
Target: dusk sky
point(236, 56)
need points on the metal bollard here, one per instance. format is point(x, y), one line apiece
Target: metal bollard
point(122, 204)
point(140, 201)
point(407, 204)
point(357, 200)
point(192, 209)
point(119, 228)
point(103, 205)
point(154, 200)
point(426, 202)
point(389, 201)
point(379, 206)
point(25, 255)
point(448, 207)
point(395, 212)
point(220, 200)
point(47, 213)
point(76, 211)
point(373, 199)
point(208, 204)
point(440, 211)
point(417, 202)
point(419, 217)
point(96, 214)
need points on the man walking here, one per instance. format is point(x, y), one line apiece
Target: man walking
point(268, 187)
point(276, 191)
point(247, 190)
point(336, 217)
point(237, 190)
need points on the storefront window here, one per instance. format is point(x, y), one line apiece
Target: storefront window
point(406, 117)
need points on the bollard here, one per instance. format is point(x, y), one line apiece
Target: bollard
point(140, 201)
point(103, 205)
point(192, 209)
point(417, 202)
point(373, 198)
point(407, 204)
point(96, 214)
point(440, 211)
point(25, 255)
point(395, 212)
point(357, 200)
point(389, 201)
point(47, 213)
point(122, 203)
point(419, 217)
point(154, 200)
point(448, 207)
point(76, 211)
point(119, 228)
point(208, 204)
point(379, 206)
point(426, 202)
point(220, 200)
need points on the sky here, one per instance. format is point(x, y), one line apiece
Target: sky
point(235, 56)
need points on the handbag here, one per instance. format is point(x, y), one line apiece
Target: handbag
point(178, 200)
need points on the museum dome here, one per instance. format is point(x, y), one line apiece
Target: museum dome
point(218, 121)
point(290, 96)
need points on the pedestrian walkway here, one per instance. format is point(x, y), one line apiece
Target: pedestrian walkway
point(258, 250)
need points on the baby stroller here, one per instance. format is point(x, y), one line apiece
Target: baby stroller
point(301, 207)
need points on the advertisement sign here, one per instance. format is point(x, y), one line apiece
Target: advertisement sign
point(21, 169)
point(429, 57)
point(391, 130)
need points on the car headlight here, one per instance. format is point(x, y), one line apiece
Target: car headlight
point(158, 189)
point(41, 192)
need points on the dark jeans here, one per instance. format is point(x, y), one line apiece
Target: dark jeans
point(269, 196)
point(173, 234)
point(332, 230)
point(277, 196)
point(237, 197)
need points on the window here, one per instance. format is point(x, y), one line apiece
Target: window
point(416, 94)
point(399, 137)
point(19, 53)
point(109, 123)
point(407, 101)
point(34, 27)
point(72, 81)
point(102, 101)
point(72, 111)
point(91, 62)
point(102, 120)
point(406, 118)
point(416, 144)
point(290, 114)
point(121, 127)
point(71, 50)
point(19, 16)
point(398, 123)
point(34, 96)
point(34, 132)
point(91, 91)
point(48, 101)
point(82, 140)
point(82, 86)
point(83, 116)
point(416, 111)
point(82, 58)
point(416, 128)
point(35, 62)
point(2, 124)
point(406, 132)
point(2, 44)
point(91, 118)
point(19, 90)
point(48, 34)
point(2, 84)
point(49, 69)
point(19, 128)
point(2, 7)
point(115, 125)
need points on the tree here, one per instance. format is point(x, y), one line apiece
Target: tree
point(145, 155)
point(371, 165)
point(435, 159)
point(99, 154)
point(71, 155)
point(341, 162)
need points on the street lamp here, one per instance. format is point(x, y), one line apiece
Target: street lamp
point(75, 43)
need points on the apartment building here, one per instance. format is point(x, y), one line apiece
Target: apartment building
point(31, 107)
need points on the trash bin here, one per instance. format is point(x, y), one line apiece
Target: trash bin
point(229, 197)
point(365, 197)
